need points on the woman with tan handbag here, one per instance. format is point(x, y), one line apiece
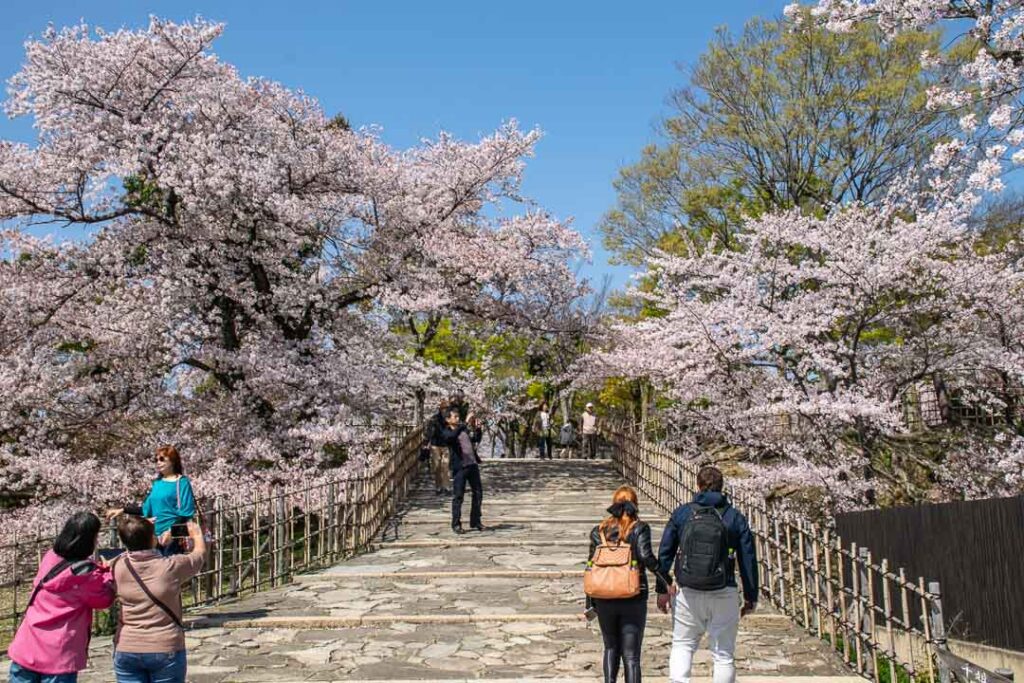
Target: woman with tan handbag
point(616, 583)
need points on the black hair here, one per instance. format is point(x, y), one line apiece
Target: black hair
point(135, 532)
point(77, 540)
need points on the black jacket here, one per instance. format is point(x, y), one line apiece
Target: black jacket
point(433, 430)
point(740, 539)
point(450, 437)
point(639, 538)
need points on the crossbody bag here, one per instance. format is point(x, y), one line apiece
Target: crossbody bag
point(149, 594)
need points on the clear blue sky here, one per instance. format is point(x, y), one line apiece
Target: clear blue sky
point(592, 75)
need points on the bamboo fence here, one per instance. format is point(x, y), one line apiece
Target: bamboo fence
point(261, 538)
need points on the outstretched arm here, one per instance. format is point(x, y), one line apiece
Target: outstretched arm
point(746, 556)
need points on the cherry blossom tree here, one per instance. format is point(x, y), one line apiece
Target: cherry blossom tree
point(247, 259)
point(805, 343)
point(800, 347)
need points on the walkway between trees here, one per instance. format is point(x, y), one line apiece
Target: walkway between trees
point(499, 605)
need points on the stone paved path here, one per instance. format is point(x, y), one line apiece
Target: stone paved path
point(502, 605)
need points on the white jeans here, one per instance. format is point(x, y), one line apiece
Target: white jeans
point(695, 613)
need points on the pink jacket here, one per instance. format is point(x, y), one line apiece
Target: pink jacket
point(54, 635)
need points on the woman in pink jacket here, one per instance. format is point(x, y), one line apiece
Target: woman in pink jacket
point(52, 643)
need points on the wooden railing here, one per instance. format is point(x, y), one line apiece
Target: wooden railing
point(261, 538)
point(885, 625)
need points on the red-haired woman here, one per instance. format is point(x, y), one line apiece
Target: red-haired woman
point(170, 503)
point(623, 621)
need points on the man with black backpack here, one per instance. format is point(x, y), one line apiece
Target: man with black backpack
point(702, 543)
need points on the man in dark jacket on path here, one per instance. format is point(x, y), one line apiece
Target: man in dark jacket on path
point(462, 440)
point(705, 601)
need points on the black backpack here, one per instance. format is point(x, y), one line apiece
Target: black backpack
point(703, 551)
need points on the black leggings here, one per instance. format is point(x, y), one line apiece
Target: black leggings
point(622, 628)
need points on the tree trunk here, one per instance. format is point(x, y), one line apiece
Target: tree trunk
point(645, 397)
point(565, 400)
point(418, 410)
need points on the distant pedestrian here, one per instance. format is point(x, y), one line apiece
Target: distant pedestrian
point(439, 466)
point(463, 440)
point(52, 642)
point(702, 544)
point(459, 403)
point(566, 439)
point(623, 617)
point(150, 643)
point(589, 424)
point(542, 426)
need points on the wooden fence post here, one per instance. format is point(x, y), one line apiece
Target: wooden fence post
point(867, 622)
point(256, 538)
point(780, 598)
point(812, 552)
point(829, 592)
point(938, 627)
point(327, 522)
point(856, 622)
point(218, 511)
point(887, 610)
point(280, 524)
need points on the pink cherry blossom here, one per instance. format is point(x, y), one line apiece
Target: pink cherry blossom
point(248, 265)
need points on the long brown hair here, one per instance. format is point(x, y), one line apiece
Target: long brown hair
point(623, 494)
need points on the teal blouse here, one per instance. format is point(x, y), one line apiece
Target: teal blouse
point(169, 503)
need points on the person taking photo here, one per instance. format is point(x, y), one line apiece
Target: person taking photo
point(52, 642)
point(462, 439)
point(150, 641)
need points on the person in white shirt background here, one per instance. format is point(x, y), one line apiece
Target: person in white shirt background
point(589, 428)
point(542, 425)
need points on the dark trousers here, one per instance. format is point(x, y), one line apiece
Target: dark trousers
point(544, 446)
point(590, 444)
point(622, 629)
point(460, 477)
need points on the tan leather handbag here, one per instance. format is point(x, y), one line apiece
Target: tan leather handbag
point(612, 574)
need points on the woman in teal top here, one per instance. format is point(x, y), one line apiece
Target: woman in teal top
point(170, 501)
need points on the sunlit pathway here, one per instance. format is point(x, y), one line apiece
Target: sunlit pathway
point(429, 605)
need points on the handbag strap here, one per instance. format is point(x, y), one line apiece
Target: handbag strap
point(50, 575)
point(620, 540)
point(145, 589)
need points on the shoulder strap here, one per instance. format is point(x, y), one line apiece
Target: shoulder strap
point(177, 490)
point(138, 579)
point(50, 575)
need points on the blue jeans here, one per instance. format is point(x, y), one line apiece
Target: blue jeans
point(150, 667)
point(19, 674)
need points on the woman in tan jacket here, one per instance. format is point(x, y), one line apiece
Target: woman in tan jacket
point(150, 641)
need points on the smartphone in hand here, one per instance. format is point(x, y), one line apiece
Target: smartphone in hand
point(590, 613)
